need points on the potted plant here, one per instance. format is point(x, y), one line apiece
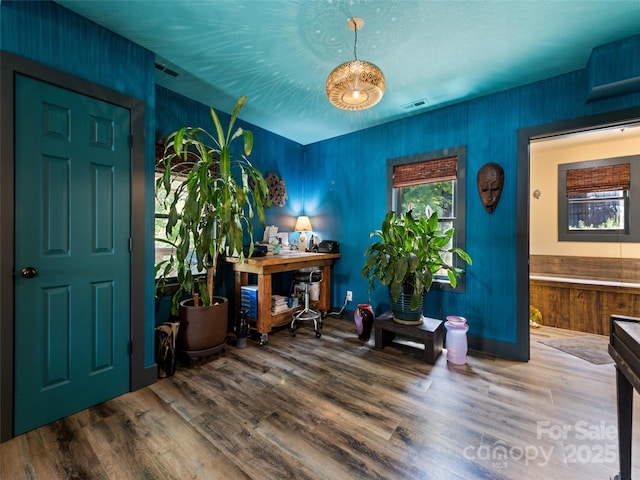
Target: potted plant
point(405, 258)
point(211, 193)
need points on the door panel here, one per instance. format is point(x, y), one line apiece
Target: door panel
point(72, 225)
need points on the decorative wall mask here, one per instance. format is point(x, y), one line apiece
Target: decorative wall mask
point(490, 182)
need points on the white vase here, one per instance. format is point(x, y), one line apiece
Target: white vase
point(456, 339)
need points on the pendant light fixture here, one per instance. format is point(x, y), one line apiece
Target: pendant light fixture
point(357, 84)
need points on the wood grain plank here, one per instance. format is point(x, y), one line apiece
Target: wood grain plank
point(336, 407)
point(596, 268)
point(582, 307)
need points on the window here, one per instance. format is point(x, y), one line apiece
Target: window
point(164, 250)
point(432, 181)
point(594, 200)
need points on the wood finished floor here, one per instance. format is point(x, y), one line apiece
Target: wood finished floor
point(335, 408)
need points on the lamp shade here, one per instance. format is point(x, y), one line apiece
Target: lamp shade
point(303, 224)
point(355, 85)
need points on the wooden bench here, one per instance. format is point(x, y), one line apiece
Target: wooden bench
point(430, 333)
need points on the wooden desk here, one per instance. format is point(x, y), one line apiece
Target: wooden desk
point(264, 267)
point(624, 348)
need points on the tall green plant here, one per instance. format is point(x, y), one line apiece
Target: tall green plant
point(410, 252)
point(221, 192)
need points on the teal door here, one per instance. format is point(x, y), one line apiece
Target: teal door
point(72, 254)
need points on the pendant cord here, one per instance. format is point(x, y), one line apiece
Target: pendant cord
point(355, 41)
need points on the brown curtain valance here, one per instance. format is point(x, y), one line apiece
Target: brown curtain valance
point(599, 179)
point(429, 171)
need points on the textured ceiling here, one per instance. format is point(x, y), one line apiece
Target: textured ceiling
point(279, 52)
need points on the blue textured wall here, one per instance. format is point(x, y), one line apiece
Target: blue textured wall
point(340, 183)
point(49, 34)
point(346, 197)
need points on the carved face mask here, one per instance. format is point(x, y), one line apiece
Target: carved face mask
point(490, 182)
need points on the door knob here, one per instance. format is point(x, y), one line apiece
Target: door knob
point(28, 272)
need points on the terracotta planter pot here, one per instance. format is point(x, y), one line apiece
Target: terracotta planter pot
point(203, 329)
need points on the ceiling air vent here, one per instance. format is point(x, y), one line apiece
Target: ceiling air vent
point(415, 104)
point(166, 70)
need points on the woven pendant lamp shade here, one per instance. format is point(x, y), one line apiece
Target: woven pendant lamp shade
point(355, 76)
point(357, 84)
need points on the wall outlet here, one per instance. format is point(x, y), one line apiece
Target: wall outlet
point(349, 295)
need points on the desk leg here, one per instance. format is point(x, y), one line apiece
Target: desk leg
point(239, 285)
point(264, 307)
point(324, 303)
point(625, 417)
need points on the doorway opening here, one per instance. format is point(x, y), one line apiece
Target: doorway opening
point(576, 285)
point(531, 260)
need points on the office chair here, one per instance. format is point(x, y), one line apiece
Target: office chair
point(308, 276)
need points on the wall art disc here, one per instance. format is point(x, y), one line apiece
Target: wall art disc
point(277, 189)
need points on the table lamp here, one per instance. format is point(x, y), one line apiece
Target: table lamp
point(303, 224)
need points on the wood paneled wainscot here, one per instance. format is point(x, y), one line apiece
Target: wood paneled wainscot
point(581, 293)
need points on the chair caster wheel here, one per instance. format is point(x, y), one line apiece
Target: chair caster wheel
point(318, 334)
point(292, 331)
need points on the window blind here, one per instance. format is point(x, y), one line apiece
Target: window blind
point(178, 165)
point(430, 171)
point(599, 179)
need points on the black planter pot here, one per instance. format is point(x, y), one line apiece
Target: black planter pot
point(401, 308)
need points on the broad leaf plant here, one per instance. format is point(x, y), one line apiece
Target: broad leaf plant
point(408, 253)
point(213, 193)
